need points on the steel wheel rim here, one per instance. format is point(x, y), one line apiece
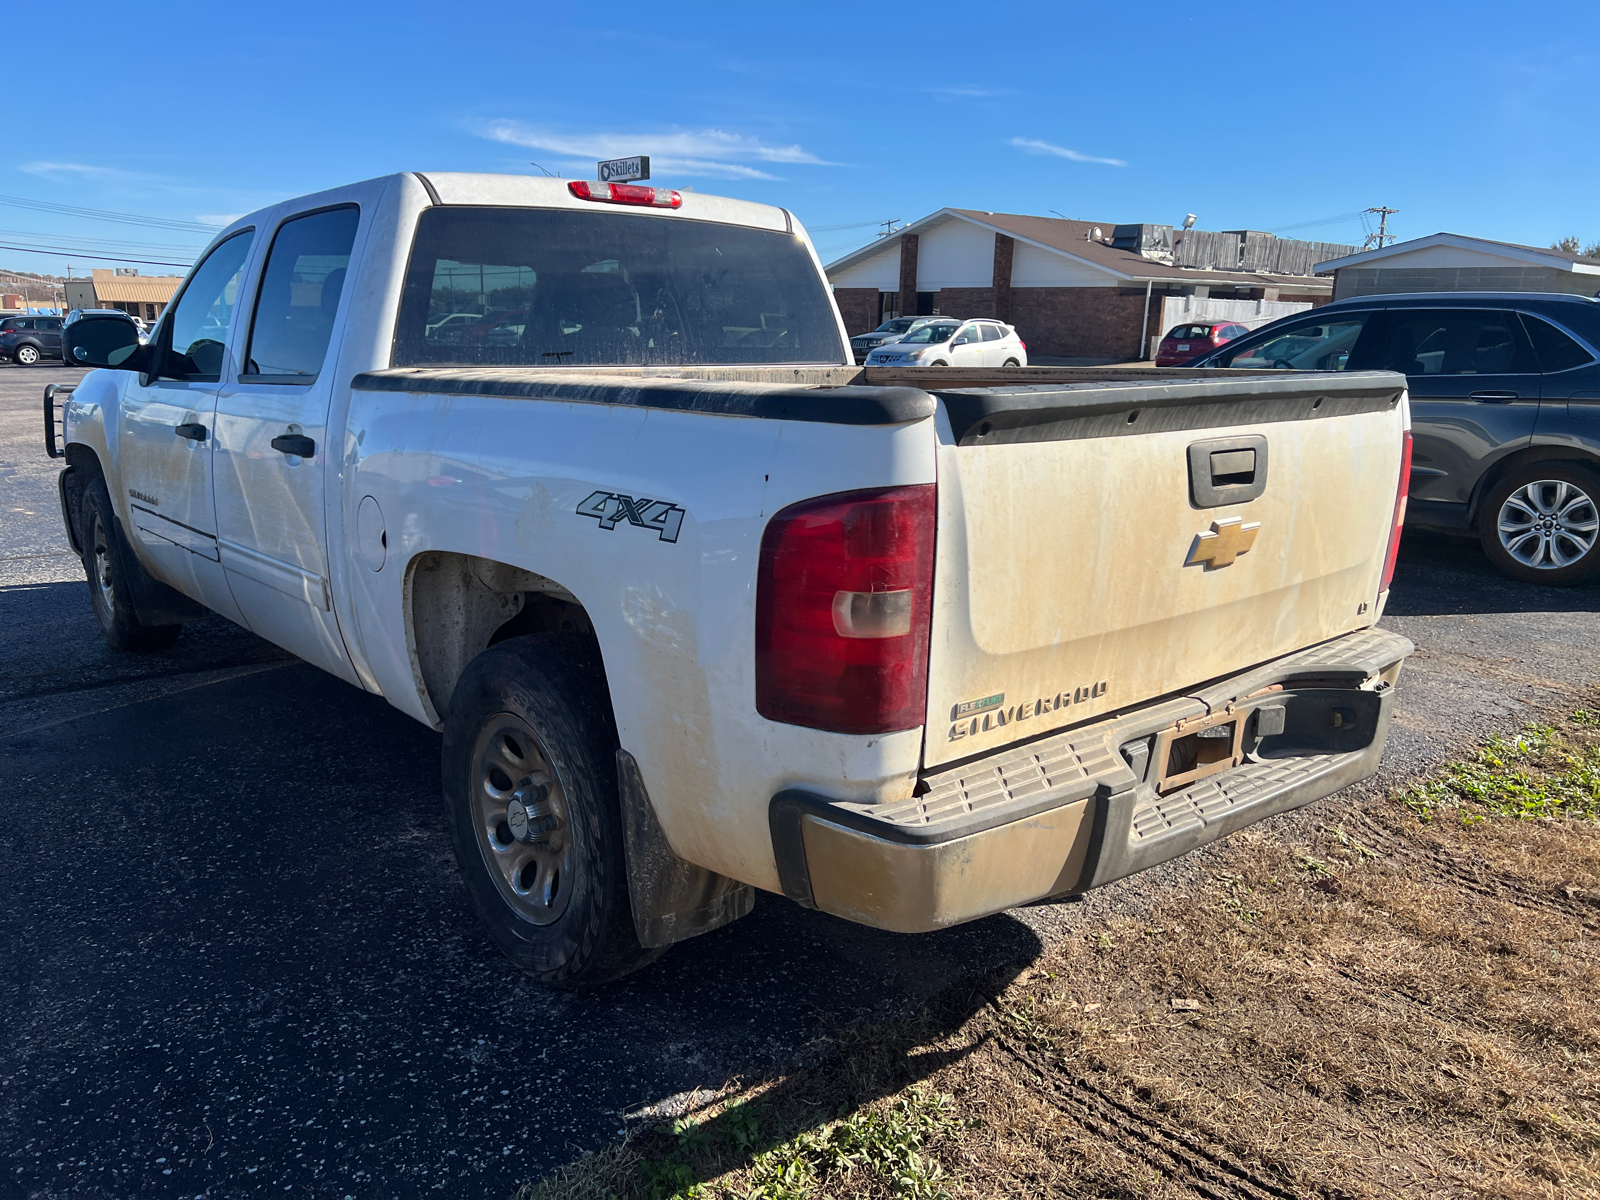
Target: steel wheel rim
point(519, 814)
point(1548, 524)
point(101, 558)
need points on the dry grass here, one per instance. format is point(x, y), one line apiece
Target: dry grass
point(1407, 1004)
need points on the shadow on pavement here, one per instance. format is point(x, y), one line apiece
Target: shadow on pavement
point(238, 955)
point(1437, 574)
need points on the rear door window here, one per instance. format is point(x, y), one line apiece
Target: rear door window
point(300, 291)
point(1455, 341)
point(992, 333)
point(1554, 349)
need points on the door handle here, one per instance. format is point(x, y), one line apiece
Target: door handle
point(297, 444)
point(195, 432)
point(1493, 397)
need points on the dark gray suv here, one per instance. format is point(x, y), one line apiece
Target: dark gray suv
point(1505, 411)
point(27, 340)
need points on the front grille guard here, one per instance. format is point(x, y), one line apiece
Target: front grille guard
point(55, 431)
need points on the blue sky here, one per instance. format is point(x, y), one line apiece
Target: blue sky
point(1466, 117)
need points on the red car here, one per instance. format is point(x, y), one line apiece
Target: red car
point(1185, 343)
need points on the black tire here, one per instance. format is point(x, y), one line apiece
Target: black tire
point(939, 364)
point(108, 590)
point(1541, 524)
point(27, 356)
point(577, 931)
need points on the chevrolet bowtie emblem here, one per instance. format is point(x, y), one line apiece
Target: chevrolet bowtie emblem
point(1226, 540)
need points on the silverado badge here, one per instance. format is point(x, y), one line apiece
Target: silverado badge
point(1224, 542)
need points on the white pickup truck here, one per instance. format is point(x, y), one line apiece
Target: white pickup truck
point(581, 475)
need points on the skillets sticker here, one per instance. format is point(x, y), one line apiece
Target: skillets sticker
point(610, 508)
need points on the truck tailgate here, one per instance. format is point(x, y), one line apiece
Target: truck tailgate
point(1102, 544)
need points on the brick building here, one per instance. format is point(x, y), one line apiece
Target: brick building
point(1071, 288)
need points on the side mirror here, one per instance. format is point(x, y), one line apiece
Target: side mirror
point(104, 342)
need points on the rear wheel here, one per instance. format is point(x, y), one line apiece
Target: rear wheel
point(108, 590)
point(27, 356)
point(1541, 524)
point(1011, 362)
point(530, 791)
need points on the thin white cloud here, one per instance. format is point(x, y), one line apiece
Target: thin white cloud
point(60, 171)
point(708, 152)
point(220, 220)
point(970, 93)
point(1035, 146)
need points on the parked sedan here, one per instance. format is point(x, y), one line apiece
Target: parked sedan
point(891, 330)
point(954, 344)
point(1505, 411)
point(1185, 343)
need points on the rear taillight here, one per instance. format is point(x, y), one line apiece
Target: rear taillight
point(625, 193)
point(843, 600)
point(1400, 495)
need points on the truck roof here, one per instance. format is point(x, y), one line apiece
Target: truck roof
point(532, 191)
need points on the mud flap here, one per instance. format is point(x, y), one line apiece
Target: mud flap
point(672, 899)
point(154, 603)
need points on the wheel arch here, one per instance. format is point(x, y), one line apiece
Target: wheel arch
point(458, 605)
point(1528, 456)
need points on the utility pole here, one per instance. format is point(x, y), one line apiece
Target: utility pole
point(1383, 236)
point(888, 226)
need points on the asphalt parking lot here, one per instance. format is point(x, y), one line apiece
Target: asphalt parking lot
point(237, 959)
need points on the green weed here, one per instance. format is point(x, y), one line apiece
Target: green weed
point(1536, 775)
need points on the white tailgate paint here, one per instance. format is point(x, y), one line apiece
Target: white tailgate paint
point(1061, 565)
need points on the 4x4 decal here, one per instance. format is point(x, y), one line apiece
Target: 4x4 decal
point(610, 507)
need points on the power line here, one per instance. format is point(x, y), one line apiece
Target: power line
point(836, 228)
point(92, 243)
point(1320, 221)
point(67, 252)
point(100, 214)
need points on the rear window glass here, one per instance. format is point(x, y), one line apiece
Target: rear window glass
point(1188, 333)
point(559, 288)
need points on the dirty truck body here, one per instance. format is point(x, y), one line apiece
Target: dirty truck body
point(704, 613)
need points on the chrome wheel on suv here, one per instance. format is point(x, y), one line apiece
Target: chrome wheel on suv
point(26, 356)
point(1548, 524)
point(1542, 523)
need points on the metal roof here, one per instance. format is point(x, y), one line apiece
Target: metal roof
point(142, 289)
point(1561, 260)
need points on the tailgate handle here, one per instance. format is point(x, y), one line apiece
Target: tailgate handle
point(1227, 470)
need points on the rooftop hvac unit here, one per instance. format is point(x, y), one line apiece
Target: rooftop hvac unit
point(1147, 241)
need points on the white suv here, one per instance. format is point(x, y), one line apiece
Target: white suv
point(954, 344)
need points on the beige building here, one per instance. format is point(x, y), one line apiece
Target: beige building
point(1453, 262)
point(143, 296)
